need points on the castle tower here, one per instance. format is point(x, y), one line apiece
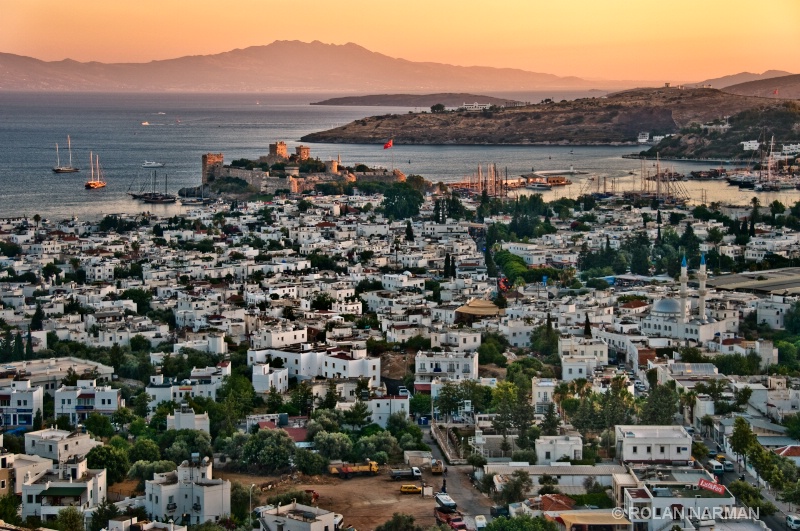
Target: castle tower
point(702, 277)
point(684, 282)
point(210, 165)
point(278, 149)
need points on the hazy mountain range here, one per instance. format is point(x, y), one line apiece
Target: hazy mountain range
point(295, 67)
point(741, 77)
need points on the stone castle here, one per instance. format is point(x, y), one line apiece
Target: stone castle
point(213, 167)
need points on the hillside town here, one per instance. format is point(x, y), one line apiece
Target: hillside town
point(588, 364)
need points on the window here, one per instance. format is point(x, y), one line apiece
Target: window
point(662, 449)
point(635, 450)
point(648, 449)
point(547, 455)
point(156, 498)
point(171, 499)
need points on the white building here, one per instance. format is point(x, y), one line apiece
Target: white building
point(771, 311)
point(279, 336)
point(48, 372)
point(185, 418)
point(79, 401)
point(72, 484)
point(654, 444)
point(307, 361)
point(20, 402)
point(266, 377)
point(58, 445)
point(202, 382)
point(542, 393)
point(190, 490)
point(551, 448)
point(456, 339)
point(451, 365)
point(295, 517)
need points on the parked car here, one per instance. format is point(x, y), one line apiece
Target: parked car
point(498, 510)
point(480, 521)
point(729, 466)
point(410, 489)
point(793, 521)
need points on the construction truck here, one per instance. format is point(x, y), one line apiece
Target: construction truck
point(437, 467)
point(348, 470)
point(406, 473)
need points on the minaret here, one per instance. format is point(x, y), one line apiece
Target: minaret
point(684, 281)
point(702, 276)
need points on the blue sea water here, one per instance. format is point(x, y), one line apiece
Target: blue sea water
point(185, 126)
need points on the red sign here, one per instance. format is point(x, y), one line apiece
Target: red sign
point(713, 487)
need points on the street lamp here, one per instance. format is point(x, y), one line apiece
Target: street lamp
point(250, 514)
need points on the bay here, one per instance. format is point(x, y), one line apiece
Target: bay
point(182, 127)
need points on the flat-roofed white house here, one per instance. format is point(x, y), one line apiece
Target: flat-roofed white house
point(665, 444)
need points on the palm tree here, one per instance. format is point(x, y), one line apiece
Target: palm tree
point(561, 391)
point(688, 400)
point(580, 387)
point(707, 422)
point(37, 218)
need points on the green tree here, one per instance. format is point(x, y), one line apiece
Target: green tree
point(9, 509)
point(742, 438)
point(551, 422)
point(144, 450)
point(104, 512)
point(515, 489)
point(309, 463)
point(333, 445)
point(437, 108)
point(409, 231)
point(357, 416)
point(99, 425)
point(113, 460)
point(523, 522)
point(660, 407)
point(70, 519)
point(399, 522)
point(421, 404)
point(37, 321)
point(401, 201)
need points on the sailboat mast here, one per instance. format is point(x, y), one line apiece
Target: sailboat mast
point(69, 146)
point(91, 164)
point(58, 159)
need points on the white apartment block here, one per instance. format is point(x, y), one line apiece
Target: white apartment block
point(58, 445)
point(452, 365)
point(79, 401)
point(552, 448)
point(653, 444)
point(583, 346)
point(772, 310)
point(542, 390)
point(190, 490)
point(20, 402)
point(279, 336)
point(517, 331)
point(307, 362)
point(202, 382)
point(48, 372)
point(72, 484)
point(131, 523)
point(458, 340)
point(402, 281)
point(100, 271)
point(266, 377)
point(185, 418)
point(381, 407)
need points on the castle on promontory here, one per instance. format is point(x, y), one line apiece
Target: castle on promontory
point(296, 173)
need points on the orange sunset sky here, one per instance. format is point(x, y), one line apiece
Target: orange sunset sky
point(681, 40)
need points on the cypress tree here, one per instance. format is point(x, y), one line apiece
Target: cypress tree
point(29, 346)
point(446, 265)
point(19, 349)
point(436, 211)
point(587, 327)
point(37, 321)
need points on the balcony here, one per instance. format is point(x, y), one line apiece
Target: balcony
point(172, 506)
point(197, 507)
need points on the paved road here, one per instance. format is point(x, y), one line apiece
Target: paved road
point(776, 521)
point(470, 500)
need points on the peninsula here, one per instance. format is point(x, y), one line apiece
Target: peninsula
point(447, 99)
point(616, 119)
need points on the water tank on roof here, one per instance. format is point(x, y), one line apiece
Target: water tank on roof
point(283, 419)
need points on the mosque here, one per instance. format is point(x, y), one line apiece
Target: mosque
point(673, 317)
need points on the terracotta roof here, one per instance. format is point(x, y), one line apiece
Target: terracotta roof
point(556, 502)
point(788, 451)
point(633, 304)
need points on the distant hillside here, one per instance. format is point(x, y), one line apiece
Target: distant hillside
point(741, 77)
point(784, 88)
point(773, 119)
point(447, 99)
point(615, 119)
point(280, 66)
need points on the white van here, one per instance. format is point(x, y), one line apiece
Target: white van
point(793, 521)
point(443, 500)
point(716, 467)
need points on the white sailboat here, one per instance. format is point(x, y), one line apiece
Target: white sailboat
point(65, 169)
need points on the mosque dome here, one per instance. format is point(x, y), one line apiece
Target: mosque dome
point(667, 307)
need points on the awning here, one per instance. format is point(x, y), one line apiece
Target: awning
point(593, 518)
point(63, 491)
point(422, 387)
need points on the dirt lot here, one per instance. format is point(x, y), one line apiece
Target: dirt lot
point(365, 501)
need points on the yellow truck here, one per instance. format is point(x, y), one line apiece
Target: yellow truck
point(348, 470)
point(437, 467)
